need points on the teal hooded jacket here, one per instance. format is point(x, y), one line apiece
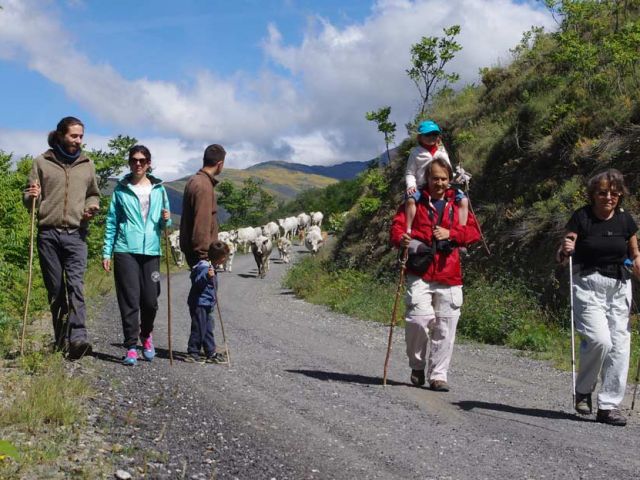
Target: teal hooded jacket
point(125, 231)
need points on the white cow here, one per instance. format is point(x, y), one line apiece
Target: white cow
point(313, 240)
point(174, 242)
point(316, 218)
point(246, 235)
point(228, 263)
point(303, 220)
point(261, 248)
point(258, 231)
point(271, 230)
point(289, 226)
point(284, 248)
point(231, 235)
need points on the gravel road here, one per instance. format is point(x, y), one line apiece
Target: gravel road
point(303, 400)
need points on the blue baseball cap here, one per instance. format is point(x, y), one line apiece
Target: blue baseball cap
point(427, 127)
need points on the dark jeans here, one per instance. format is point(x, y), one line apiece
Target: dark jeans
point(137, 288)
point(63, 261)
point(201, 331)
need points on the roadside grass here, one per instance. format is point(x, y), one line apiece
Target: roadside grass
point(48, 397)
point(43, 404)
point(494, 312)
point(346, 291)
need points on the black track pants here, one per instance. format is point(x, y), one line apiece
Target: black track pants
point(137, 288)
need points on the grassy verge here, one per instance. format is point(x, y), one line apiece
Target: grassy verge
point(500, 313)
point(346, 291)
point(43, 402)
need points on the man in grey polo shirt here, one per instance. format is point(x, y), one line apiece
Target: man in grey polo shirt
point(63, 182)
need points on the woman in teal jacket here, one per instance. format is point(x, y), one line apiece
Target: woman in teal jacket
point(138, 212)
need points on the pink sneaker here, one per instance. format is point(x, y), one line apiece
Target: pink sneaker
point(131, 358)
point(148, 351)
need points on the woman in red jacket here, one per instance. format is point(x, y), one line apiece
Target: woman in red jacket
point(434, 282)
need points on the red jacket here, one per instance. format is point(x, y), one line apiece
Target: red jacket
point(444, 268)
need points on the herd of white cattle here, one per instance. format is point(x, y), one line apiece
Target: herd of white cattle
point(305, 227)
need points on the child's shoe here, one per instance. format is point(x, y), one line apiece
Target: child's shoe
point(131, 358)
point(148, 350)
point(216, 358)
point(192, 358)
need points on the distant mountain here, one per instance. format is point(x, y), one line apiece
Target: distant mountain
point(341, 171)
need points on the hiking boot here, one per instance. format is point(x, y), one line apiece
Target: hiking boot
point(79, 349)
point(611, 417)
point(192, 358)
point(216, 358)
point(417, 377)
point(148, 350)
point(131, 358)
point(439, 386)
point(583, 403)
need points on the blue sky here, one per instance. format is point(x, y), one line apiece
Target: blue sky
point(271, 80)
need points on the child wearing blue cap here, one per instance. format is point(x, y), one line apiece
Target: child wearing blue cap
point(429, 147)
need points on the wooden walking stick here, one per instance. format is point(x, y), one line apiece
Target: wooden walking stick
point(394, 314)
point(224, 337)
point(29, 281)
point(167, 247)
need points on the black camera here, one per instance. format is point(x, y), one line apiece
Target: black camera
point(444, 246)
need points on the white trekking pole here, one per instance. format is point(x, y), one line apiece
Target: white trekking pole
point(573, 333)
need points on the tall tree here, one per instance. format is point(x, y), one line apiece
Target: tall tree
point(111, 162)
point(428, 60)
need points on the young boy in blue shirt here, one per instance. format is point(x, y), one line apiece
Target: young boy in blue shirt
point(202, 300)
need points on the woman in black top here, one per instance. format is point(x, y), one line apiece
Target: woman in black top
point(602, 236)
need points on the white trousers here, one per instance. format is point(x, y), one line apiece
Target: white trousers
point(432, 314)
point(601, 313)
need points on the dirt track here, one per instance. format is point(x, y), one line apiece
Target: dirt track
point(303, 399)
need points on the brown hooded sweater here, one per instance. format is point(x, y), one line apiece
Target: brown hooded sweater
point(67, 190)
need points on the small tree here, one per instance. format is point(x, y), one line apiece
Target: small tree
point(428, 59)
point(246, 204)
point(381, 117)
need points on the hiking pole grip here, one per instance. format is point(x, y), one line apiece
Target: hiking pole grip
point(30, 277)
point(403, 268)
point(167, 246)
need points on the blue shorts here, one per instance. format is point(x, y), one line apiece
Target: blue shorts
point(416, 196)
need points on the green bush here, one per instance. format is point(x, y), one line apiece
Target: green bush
point(367, 206)
point(501, 312)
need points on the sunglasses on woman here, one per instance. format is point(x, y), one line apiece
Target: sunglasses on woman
point(606, 193)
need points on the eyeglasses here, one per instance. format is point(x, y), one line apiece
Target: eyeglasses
point(141, 161)
point(606, 193)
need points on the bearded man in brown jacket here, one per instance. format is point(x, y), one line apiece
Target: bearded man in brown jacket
point(64, 185)
point(198, 233)
point(199, 221)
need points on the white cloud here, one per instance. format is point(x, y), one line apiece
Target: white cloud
point(314, 113)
